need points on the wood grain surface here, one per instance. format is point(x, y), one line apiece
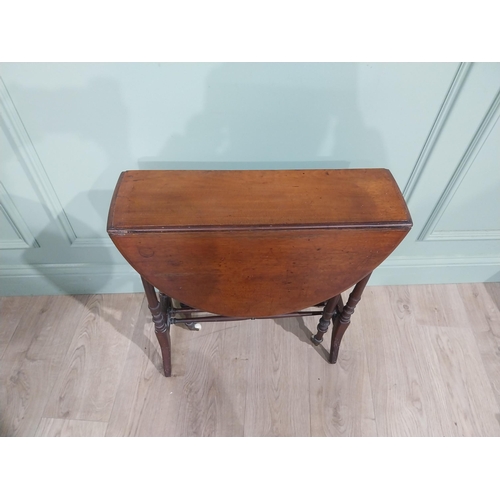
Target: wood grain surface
point(418, 361)
point(98, 340)
point(33, 359)
point(177, 199)
point(60, 427)
point(256, 243)
point(11, 312)
point(484, 320)
point(257, 273)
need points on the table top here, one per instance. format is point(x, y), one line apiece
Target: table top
point(256, 243)
point(180, 200)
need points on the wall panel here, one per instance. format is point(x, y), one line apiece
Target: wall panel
point(68, 130)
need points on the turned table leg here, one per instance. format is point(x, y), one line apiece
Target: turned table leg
point(343, 320)
point(162, 328)
point(324, 322)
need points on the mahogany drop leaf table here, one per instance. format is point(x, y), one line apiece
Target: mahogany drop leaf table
point(244, 244)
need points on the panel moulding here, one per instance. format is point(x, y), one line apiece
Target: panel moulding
point(25, 237)
point(24, 148)
point(480, 137)
point(439, 261)
point(469, 235)
point(437, 127)
point(99, 242)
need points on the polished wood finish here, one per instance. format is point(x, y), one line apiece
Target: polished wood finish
point(255, 244)
point(331, 309)
point(343, 320)
point(162, 326)
point(257, 273)
point(166, 200)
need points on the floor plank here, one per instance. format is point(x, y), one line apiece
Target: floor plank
point(214, 384)
point(484, 320)
point(32, 360)
point(11, 312)
point(341, 395)
point(404, 371)
point(145, 399)
point(469, 398)
point(86, 387)
point(341, 399)
point(415, 361)
point(205, 395)
point(493, 290)
point(277, 402)
point(60, 427)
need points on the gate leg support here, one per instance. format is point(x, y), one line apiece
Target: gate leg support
point(324, 322)
point(344, 319)
point(162, 327)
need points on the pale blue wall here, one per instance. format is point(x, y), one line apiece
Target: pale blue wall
point(68, 130)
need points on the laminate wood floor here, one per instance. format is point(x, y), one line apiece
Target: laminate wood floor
point(416, 361)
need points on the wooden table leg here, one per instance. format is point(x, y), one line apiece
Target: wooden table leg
point(162, 327)
point(343, 320)
point(324, 322)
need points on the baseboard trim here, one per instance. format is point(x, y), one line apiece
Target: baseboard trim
point(74, 279)
point(71, 279)
point(437, 270)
